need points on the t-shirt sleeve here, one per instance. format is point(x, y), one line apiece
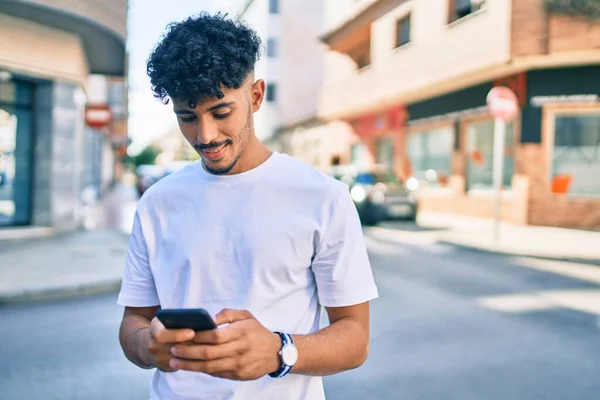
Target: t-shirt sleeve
point(137, 287)
point(341, 265)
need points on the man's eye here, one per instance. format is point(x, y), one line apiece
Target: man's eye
point(221, 116)
point(188, 119)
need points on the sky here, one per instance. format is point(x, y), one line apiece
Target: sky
point(148, 117)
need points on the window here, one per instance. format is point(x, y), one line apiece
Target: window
point(576, 155)
point(385, 152)
point(430, 154)
point(271, 92)
point(480, 155)
point(271, 47)
point(16, 165)
point(274, 6)
point(461, 8)
point(403, 31)
point(359, 154)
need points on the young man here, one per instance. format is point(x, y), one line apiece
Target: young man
point(258, 239)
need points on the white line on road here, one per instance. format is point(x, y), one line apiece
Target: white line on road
point(585, 300)
point(588, 273)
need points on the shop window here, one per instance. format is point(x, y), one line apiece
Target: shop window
point(480, 155)
point(385, 152)
point(461, 8)
point(359, 154)
point(430, 155)
point(403, 31)
point(576, 155)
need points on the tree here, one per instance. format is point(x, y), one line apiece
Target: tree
point(574, 8)
point(146, 156)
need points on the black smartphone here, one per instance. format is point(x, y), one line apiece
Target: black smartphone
point(196, 319)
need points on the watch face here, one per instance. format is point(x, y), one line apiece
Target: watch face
point(289, 354)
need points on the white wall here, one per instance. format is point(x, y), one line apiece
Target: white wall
point(302, 59)
point(438, 53)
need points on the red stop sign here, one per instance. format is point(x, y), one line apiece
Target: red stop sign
point(503, 103)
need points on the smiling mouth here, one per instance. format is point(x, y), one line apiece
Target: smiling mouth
point(215, 153)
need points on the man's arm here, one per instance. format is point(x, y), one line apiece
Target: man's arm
point(134, 334)
point(341, 346)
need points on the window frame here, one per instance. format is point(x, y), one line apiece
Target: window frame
point(464, 131)
point(399, 21)
point(274, 7)
point(452, 14)
point(271, 92)
point(425, 128)
point(549, 114)
point(272, 47)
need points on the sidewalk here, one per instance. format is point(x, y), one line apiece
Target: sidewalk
point(71, 264)
point(533, 241)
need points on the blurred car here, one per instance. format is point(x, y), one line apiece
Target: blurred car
point(377, 194)
point(146, 176)
point(175, 166)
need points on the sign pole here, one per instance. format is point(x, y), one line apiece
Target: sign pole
point(498, 173)
point(504, 107)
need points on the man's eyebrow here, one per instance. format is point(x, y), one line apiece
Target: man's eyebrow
point(181, 112)
point(221, 105)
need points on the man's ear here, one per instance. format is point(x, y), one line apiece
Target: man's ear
point(257, 94)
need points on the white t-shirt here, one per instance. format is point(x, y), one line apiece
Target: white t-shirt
point(280, 240)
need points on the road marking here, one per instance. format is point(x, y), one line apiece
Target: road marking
point(585, 300)
point(383, 248)
point(588, 273)
point(515, 303)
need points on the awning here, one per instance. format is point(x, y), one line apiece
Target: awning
point(105, 48)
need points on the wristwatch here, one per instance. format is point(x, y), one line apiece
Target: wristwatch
point(288, 356)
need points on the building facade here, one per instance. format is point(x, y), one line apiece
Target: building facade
point(292, 65)
point(411, 78)
point(62, 106)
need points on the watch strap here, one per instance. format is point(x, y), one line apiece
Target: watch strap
point(284, 369)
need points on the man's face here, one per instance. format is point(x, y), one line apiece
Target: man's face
point(220, 129)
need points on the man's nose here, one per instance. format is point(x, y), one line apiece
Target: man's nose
point(205, 133)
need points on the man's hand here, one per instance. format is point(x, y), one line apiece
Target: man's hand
point(160, 342)
point(242, 350)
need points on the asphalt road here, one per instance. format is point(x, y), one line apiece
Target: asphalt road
point(441, 330)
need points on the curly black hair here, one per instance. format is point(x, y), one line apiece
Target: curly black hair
point(196, 56)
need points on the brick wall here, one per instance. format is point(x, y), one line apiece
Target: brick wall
point(572, 34)
point(529, 28)
point(546, 208)
point(534, 32)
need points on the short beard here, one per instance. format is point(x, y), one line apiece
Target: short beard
point(244, 131)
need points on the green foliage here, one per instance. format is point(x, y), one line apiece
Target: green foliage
point(146, 156)
point(574, 8)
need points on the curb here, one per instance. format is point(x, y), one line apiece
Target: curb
point(61, 293)
point(586, 261)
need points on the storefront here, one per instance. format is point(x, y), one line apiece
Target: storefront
point(16, 161)
point(551, 156)
point(378, 138)
point(48, 155)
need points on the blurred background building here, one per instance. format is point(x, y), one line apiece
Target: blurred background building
point(411, 78)
point(63, 107)
point(292, 65)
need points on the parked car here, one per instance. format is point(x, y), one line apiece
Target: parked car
point(147, 175)
point(378, 194)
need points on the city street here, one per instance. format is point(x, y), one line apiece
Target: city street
point(443, 328)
